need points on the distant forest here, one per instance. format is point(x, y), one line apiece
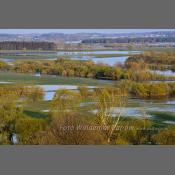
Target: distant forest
point(18, 45)
point(130, 40)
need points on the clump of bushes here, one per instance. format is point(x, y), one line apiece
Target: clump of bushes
point(148, 90)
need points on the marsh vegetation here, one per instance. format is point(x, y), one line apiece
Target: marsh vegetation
point(74, 100)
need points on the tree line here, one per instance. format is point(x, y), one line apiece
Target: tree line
point(26, 45)
point(132, 70)
point(154, 60)
point(87, 69)
point(129, 40)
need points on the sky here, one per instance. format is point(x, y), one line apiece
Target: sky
point(70, 31)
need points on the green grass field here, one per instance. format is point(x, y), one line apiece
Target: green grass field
point(49, 79)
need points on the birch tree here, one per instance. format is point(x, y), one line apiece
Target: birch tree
point(109, 104)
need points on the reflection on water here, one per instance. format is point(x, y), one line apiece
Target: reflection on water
point(50, 89)
point(135, 112)
point(109, 60)
point(165, 73)
point(7, 60)
point(151, 105)
point(140, 108)
point(98, 52)
point(169, 122)
point(171, 102)
point(57, 87)
point(84, 56)
point(5, 82)
point(38, 74)
point(135, 107)
point(162, 81)
point(14, 138)
point(49, 96)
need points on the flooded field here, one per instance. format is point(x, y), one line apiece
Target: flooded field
point(98, 52)
point(50, 84)
point(137, 108)
point(88, 55)
point(51, 89)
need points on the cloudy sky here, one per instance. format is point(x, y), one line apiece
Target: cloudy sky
point(69, 31)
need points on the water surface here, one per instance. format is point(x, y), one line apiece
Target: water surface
point(50, 89)
point(98, 52)
point(165, 72)
point(108, 60)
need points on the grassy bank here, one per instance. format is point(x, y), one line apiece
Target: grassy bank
point(48, 79)
point(163, 116)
